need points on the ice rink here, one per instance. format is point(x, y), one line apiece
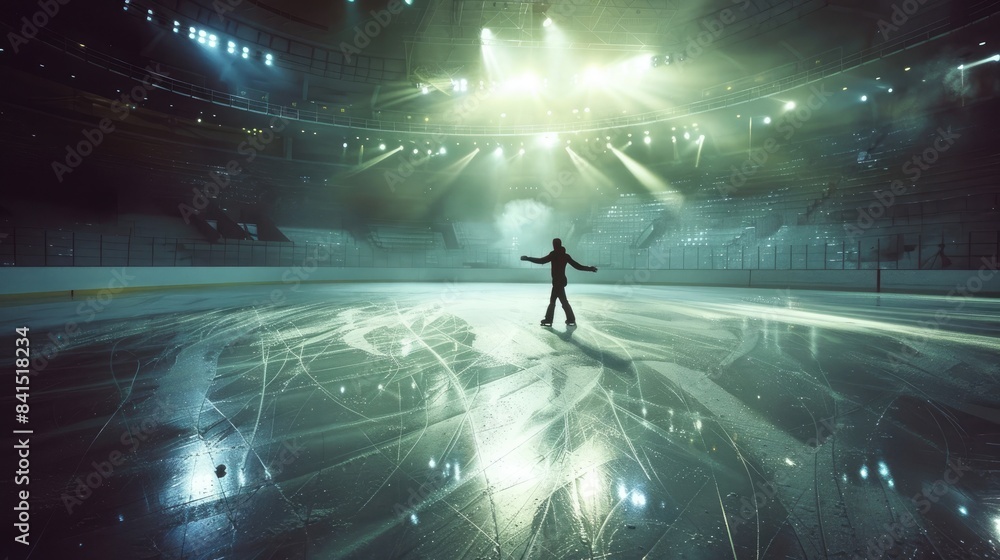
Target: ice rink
point(440, 421)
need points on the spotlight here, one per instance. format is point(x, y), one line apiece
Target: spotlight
point(789, 106)
point(520, 152)
point(687, 135)
point(647, 140)
point(498, 151)
point(428, 152)
point(890, 90)
point(864, 98)
point(442, 151)
point(345, 144)
point(415, 151)
point(408, 2)
point(547, 22)
point(701, 138)
point(996, 58)
point(381, 147)
point(177, 26)
point(425, 90)
point(767, 120)
point(673, 139)
point(486, 33)
point(269, 59)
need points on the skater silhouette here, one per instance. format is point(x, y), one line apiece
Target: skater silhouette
point(559, 259)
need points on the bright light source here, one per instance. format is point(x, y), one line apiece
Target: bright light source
point(442, 151)
point(408, 2)
point(498, 151)
point(463, 84)
point(864, 98)
point(701, 138)
point(345, 144)
point(547, 22)
point(486, 33)
point(982, 43)
point(202, 33)
point(268, 59)
point(592, 76)
point(687, 135)
point(415, 151)
point(890, 90)
point(647, 140)
point(767, 120)
point(381, 147)
point(961, 67)
point(425, 90)
point(907, 69)
point(789, 106)
point(520, 152)
point(996, 58)
point(673, 139)
point(428, 152)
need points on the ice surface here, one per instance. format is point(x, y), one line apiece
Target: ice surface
point(440, 421)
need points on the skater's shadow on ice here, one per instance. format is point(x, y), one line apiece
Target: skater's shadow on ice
point(608, 359)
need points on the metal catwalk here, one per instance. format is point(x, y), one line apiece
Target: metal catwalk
point(440, 421)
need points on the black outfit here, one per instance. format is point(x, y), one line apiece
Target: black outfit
point(559, 259)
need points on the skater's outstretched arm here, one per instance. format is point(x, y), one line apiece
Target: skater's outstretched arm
point(579, 266)
point(536, 260)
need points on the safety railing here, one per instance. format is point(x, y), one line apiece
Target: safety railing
point(32, 247)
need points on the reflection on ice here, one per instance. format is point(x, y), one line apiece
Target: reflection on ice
point(378, 422)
